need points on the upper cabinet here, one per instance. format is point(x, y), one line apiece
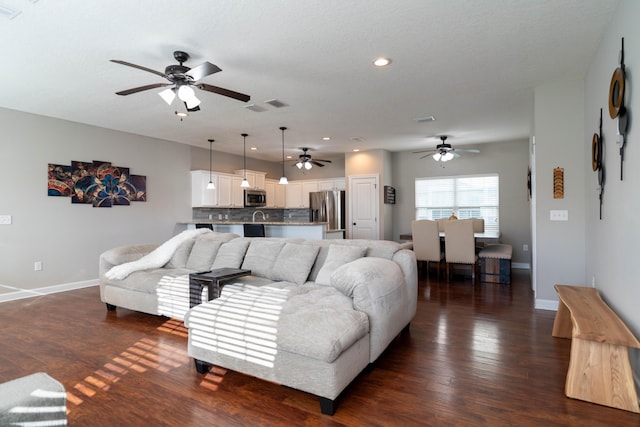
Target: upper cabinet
point(297, 193)
point(256, 179)
point(275, 193)
point(331, 184)
point(229, 194)
point(200, 195)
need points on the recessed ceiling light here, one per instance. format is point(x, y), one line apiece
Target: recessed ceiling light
point(289, 157)
point(326, 138)
point(382, 62)
point(355, 150)
point(254, 148)
point(181, 114)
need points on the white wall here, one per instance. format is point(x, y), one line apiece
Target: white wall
point(560, 142)
point(612, 243)
point(66, 237)
point(508, 159)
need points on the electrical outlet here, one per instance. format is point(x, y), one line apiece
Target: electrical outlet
point(226, 216)
point(210, 216)
point(525, 248)
point(37, 266)
point(593, 281)
point(5, 219)
point(219, 216)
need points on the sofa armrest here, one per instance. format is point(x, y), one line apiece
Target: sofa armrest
point(378, 288)
point(122, 254)
point(36, 399)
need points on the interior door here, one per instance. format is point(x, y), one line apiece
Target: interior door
point(363, 207)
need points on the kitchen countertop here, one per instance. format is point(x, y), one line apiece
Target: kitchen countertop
point(212, 222)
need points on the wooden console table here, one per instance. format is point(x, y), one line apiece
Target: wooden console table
point(599, 369)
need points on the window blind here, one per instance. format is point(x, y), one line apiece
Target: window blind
point(469, 196)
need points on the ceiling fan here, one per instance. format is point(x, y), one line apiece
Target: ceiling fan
point(445, 152)
point(305, 160)
point(181, 79)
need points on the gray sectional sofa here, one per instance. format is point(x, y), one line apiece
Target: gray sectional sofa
point(312, 315)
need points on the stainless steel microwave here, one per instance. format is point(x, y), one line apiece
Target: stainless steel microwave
point(255, 198)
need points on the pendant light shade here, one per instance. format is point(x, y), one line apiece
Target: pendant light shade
point(244, 183)
point(210, 185)
point(283, 178)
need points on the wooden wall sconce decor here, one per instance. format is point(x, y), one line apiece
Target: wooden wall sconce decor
point(596, 160)
point(558, 183)
point(616, 104)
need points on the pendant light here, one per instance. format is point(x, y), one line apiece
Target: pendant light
point(283, 179)
point(245, 183)
point(210, 185)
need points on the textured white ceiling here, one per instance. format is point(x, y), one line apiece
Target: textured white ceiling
point(472, 64)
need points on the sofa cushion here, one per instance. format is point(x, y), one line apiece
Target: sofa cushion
point(278, 315)
point(202, 254)
point(231, 254)
point(261, 256)
point(147, 281)
point(337, 256)
point(180, 256)
point(294, 262)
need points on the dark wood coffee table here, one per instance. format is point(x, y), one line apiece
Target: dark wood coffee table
point(213, 280)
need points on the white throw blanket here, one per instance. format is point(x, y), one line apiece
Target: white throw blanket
point(156, 258)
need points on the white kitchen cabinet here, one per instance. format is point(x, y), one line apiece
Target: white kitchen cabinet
point(281, 196)
point(225, 195)
point(297, 193)
point(270, 190)
point(200, 195)
point(294, 195)
point(237, 192)
point(331, 184)
point(308, 187)
point(256, 179)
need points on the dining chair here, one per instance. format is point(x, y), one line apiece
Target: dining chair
point(426, 242)
point(459, 245)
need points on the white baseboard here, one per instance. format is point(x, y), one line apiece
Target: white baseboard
point(17, 293)
point(546, 304)
point(520, 265)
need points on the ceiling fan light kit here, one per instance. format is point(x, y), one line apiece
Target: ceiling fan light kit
point(445, 152)
point(182, 78)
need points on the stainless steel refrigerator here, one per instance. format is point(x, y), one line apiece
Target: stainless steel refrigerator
point(328, 206)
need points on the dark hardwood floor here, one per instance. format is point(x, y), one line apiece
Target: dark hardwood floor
point(475, 355)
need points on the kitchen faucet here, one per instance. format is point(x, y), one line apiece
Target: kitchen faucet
point(254, 215)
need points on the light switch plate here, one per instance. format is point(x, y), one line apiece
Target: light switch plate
point(5, 219)
point(559, 215)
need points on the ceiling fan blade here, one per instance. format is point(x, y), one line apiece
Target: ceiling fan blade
point(139, 67)
point(320, 160)
point(224, 92)
point(468, 150)
point(313, 162)
point(203, 70)
point(142, 88)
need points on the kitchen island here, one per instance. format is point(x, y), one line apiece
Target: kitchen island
point(304, 230)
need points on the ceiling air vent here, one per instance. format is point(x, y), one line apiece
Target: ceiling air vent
point(276, 103)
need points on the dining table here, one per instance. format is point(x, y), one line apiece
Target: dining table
point(484, 238)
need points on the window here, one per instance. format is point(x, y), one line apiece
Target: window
point(468, 196)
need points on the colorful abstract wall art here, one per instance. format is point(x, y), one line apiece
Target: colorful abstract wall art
point(96, 183)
